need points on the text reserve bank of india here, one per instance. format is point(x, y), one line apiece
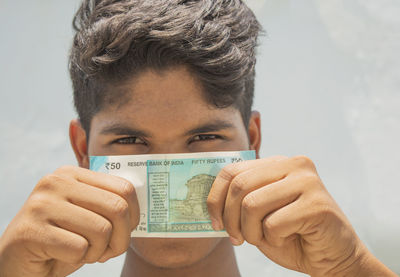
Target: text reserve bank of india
point(172, 189)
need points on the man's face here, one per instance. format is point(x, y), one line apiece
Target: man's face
point(165, 112)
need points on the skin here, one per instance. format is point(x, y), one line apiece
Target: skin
point(279, 204)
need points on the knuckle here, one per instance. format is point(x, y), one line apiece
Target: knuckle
point(48, 182)
point(311, 180)
point(127, 189)
point(212, 202)
point(120, 207)
point(303, 161)
point(227, 172)
point(104, 228)
point(325, 211)
point(249, 204)
point(213, 206)
point(79, 248)
point(238, 185)
point(270, 234)
point(269, 226)
point(38, 204)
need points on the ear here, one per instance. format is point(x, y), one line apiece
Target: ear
point(254, 132)
point(77, 136)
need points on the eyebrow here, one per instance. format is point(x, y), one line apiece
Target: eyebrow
point(120, 129)
point(214, 126)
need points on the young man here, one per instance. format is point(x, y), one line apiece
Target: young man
point(155, 76)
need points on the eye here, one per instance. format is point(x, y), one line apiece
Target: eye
point(129, 140)
point(204, 137)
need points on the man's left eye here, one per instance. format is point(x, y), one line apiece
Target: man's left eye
point(129, 140)
point(204, 137)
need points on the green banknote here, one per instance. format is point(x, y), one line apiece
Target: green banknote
point(172, 189)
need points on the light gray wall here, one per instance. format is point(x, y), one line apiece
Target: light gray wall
point(328, 81)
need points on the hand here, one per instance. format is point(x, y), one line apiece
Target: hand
point(281, 206)
point(72, 217)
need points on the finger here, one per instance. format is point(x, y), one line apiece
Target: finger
point(63, 245)
point(112, 207)
point(281, 224)
point(108, 182)
point(219, 189)
point(261, 202)
point(301, 217)
point(241, 185)
point(94, 228)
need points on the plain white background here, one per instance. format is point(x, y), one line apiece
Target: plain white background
point(328, 86)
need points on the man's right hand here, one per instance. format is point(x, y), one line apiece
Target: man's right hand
point(73, 217)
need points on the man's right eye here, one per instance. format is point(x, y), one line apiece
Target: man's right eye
point(129, 140)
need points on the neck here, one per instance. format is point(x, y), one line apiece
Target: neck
point(220, 262)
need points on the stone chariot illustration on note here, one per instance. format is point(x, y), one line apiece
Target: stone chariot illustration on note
point(193, 208)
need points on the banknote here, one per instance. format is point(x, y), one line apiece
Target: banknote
point(172, 189)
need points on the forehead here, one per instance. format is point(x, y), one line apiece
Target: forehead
point(161, 99)
point(164, 90)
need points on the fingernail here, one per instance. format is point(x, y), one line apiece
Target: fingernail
point(235, 241)
point(216, 225)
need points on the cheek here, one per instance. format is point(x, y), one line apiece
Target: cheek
point(172, 252)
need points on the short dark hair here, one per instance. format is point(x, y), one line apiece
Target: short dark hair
point(117, 39)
